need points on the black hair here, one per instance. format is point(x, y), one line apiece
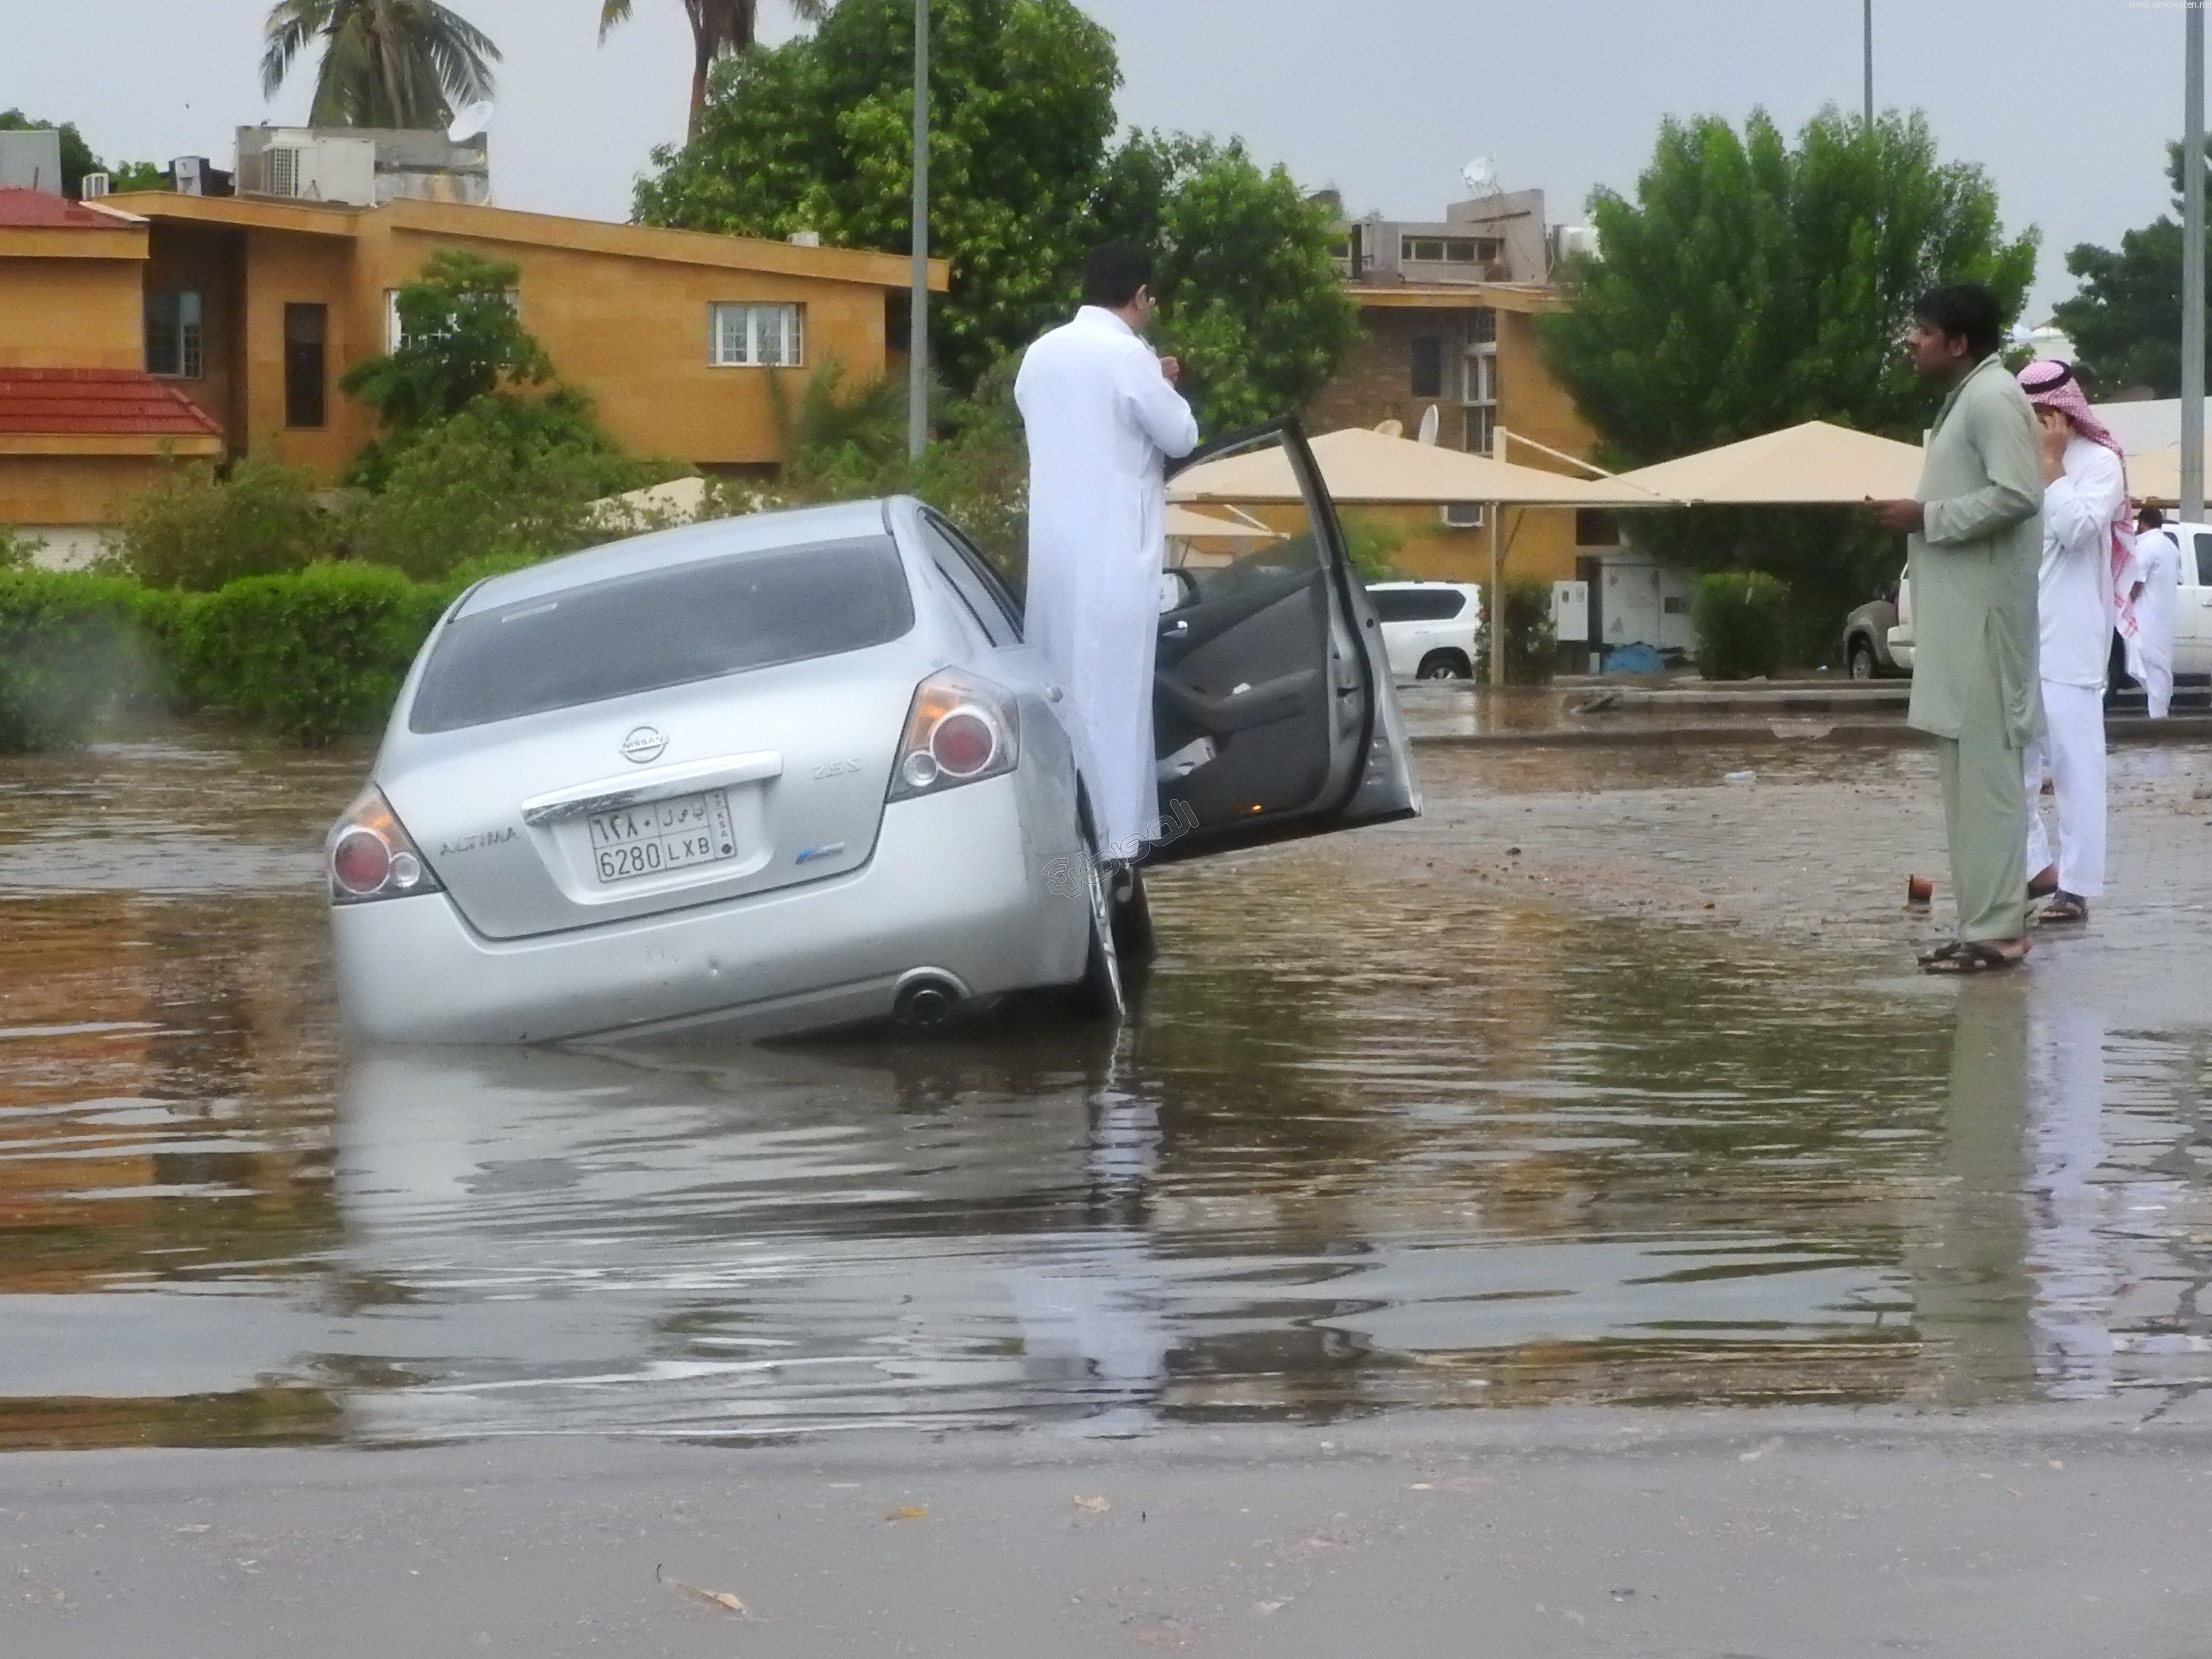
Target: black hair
point(2150, 519)
point(1113, 273)
point(1965, 311)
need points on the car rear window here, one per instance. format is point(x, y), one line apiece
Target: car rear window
point(1416, 604)
point(662, 628)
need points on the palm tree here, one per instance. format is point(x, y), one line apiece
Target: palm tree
point(719, 27)
point(385, 63)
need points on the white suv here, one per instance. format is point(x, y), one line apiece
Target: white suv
point(1428, 627)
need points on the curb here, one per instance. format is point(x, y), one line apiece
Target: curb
point(2139, 731)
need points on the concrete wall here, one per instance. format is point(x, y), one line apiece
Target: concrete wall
point(43, 495)
point(71, 313)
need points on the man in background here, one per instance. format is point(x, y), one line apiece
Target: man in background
point(1974, 539)
point(2158, 577)
point(1104, 418)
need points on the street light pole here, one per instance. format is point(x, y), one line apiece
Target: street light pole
point(1870, 65)
point(2192, 270)
point(917, 371)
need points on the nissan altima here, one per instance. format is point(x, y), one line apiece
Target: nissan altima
point(798, 769)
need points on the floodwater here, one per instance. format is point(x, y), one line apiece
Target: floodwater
point(1376, 1138)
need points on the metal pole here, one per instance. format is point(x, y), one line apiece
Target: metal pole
point(1870, 64)
point(1494, 511)
point(2192, 270)
point(917, 371)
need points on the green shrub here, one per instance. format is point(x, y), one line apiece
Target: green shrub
point(16, 551)
point(1740, 617)
point(68, 651)
point(508, 478)
point(311, 656)
point(195, 530)
point(1373, 543)
point(1529, 646)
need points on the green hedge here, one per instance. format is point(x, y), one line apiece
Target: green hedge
point(1530, 652)
point(311, 656)
point(1740, 617)
point(68, 648)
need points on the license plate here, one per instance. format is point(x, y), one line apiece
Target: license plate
point(661, 835)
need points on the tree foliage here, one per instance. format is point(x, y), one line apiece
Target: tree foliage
point(385, 63)
point(1752, 285)
point(814, 134)
point(2126, 320)
point(1248, 290)
point(460, 339)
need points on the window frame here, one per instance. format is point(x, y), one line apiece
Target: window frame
point(322, 346)
point(991, 600)
point(1427, 351)
point(793, 333)
point(188, 334)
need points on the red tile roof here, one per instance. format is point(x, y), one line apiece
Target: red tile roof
point(126, 402)
point(41, 210)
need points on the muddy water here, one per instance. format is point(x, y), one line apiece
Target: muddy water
point(1378, 1139)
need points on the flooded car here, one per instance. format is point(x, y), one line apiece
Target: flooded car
point(798, 769)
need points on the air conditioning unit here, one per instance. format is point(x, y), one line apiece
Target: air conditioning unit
point(1462, 515)
point(191, 173)
point(280, 172)
point(323, 170)
point(95, 183)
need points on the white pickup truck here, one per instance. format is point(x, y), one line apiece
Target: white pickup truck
point(2192, 609)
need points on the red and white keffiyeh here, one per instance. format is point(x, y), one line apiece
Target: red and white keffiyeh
point(2051, 384)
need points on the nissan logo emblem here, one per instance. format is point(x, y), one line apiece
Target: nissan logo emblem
point(643, 744)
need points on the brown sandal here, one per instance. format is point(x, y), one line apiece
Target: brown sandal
point(1969, 956)
point(2066, 907)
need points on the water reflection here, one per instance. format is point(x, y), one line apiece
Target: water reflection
point(1378, 1140)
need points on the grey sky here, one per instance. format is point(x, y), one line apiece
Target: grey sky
point(2069, 103)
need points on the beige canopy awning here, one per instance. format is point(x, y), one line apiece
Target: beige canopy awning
point(1799, 466)
point(1190, 525)
point(2155, 475)
point(1365, 468)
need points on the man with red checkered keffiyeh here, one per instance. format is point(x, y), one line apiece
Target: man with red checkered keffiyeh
point(2082, 594)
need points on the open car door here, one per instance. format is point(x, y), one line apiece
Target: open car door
point(1273, 711)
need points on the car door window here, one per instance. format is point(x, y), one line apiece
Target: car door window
point(972, 577)
point(2204, 559)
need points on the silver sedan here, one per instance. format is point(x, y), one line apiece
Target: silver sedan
point(798, 769)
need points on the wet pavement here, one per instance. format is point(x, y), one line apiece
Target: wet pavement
point(1606, 1082)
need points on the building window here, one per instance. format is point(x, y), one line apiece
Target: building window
point(1482, 327)
point(1428, 367)
point(305, 327)
point(1479, 389)
point(1480, 429)
point(1450, 250)
point(1596, 527)
point(756, 337)
point(172, 334)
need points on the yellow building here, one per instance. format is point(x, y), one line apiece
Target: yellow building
point(252, 308)
point(1447, 312)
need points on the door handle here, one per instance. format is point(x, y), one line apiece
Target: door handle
point(1176, 630)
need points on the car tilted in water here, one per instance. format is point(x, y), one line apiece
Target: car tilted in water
point(798, 769)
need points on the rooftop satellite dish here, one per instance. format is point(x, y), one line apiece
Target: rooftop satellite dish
point(1432, 419)
point(1480, 175)
point(473, 121)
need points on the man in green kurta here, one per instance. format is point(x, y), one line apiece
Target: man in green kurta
point(1976, 539)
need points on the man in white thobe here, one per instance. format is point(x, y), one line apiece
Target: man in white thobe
point(2158, 578)
point(1103, 418)
point(2084, 498)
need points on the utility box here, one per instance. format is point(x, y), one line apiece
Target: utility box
point(1642, 603)
point(1570, 628)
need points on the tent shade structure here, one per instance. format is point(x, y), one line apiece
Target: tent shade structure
point(1807, 465)
point(1365, 468)
point(1190, 525)
point(2155, 475)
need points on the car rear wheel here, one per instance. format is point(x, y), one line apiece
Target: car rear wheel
point(1133, 942)
point(1862, 663)
point(1444, 666)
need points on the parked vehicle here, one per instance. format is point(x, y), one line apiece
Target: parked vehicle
point(2192, 610)
point(798, 769)
point(1866, 639)
point(1430, 629)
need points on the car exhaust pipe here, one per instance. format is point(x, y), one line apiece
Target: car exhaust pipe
point(927, 1000)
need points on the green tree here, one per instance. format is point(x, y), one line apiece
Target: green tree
point(720, 29)
point(1752, 285)
point(460, 338)
point(77, 158)
point(2126, 320)
point(385, 63)
point(814, 135)
point(1248, 290)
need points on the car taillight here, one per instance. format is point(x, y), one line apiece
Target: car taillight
point(959, 730)
point(372, 857)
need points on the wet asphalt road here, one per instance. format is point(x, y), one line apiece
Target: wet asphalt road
point(1607, 1083)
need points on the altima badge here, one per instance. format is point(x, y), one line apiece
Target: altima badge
point(643, 744)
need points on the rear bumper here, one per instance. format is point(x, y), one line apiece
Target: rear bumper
point(958, 884)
